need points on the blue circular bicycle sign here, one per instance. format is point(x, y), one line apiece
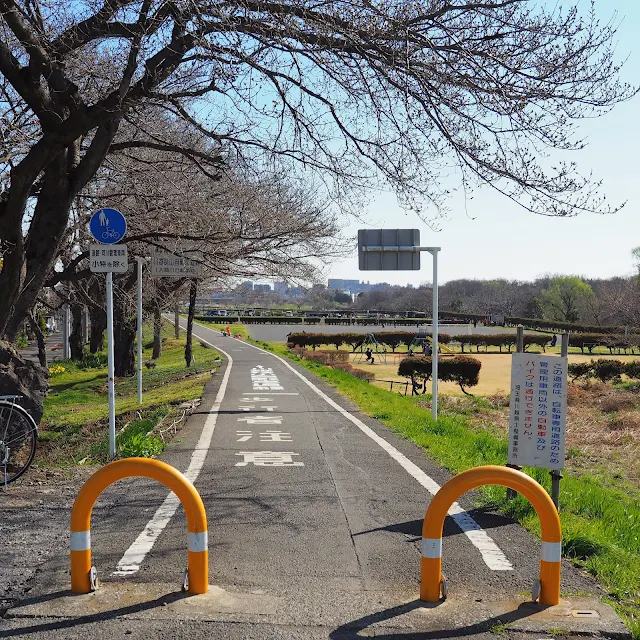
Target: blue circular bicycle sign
point(108, 226)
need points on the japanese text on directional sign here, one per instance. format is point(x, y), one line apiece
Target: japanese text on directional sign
point(108, 226)
point(108, 258)
point(168, 265)
point(538, 410)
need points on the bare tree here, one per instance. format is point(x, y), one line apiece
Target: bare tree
point(358, 91)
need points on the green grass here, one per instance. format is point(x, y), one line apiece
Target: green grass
point(600, 521)
point(76, 409)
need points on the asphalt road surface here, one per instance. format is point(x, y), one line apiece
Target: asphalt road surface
point(314, 515)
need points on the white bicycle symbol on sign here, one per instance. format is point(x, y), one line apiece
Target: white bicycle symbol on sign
point(110, 233)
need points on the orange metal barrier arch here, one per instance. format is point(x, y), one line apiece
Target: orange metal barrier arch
point(198, 555)
point(431, 561)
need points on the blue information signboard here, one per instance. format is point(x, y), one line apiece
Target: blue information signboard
point(108, 226)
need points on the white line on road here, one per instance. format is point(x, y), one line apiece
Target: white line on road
point(135, 554)
point(491, 553)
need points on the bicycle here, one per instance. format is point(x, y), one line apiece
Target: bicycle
point(18, 438)
point(110, 233)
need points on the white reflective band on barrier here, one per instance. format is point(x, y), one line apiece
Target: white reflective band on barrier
point(432, 547)
point(80, 540)
point(198, 541)
point(551, 551)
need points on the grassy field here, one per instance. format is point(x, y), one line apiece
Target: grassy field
point(74, 424)
point(495, 375)
point(599, 501)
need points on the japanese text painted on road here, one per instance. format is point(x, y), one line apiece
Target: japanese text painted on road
point(538, 410)
point(264, 379)
point(260, 410)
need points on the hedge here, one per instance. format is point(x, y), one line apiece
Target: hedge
point(539, 323)
point(591, 340)
point(605, 369)
point(500, 340)
point(250, 319)
point(391, 339)
point(463, 370)
point(558, 326)
point(396, 320)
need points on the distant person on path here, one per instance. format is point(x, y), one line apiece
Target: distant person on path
point(369, 355)
point(228, 330)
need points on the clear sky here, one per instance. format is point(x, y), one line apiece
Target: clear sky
point(494, 238)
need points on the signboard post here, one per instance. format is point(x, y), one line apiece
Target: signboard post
point(538, 413)
point(140, 264)
point(108, 226)
point(399, 250)
point(165, 264)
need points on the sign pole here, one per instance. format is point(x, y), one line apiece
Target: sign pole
point(107, 226)
point(434, 338)
point(140, 261)
point(556, 475)
point(110, 369)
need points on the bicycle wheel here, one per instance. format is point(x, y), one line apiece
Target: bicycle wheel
point(18, 438)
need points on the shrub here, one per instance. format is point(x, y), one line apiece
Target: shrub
point(362, 374)
point(333, 357)
point(463, 370)
point(580, 370)
point(632, 369)
point(541, 341)
point(606, 370)
point(588, 340)
point(320, 358)
point(343, 366)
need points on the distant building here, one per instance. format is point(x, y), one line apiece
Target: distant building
point(281, 287)
point(264, 288)
point(353, 286)
point(247, 285)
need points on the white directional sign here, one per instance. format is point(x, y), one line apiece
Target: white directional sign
point(106, 258)
point(165, 264)
point(538, 410)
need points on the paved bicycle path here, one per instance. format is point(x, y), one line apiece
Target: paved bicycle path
point(314, 527)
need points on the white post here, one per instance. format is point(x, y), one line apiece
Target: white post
point(66, 348)
point(110, 372)
point(434, 337)
point(140, 261)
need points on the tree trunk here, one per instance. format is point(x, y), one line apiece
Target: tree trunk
point(157, 329)
point(75, 338)
point(29, 263)
point(42, 349)
point(124, 340)
point(98, 318)
point(188, 351)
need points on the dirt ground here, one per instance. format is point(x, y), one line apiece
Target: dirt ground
point(35, 518)
point(495, 375)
